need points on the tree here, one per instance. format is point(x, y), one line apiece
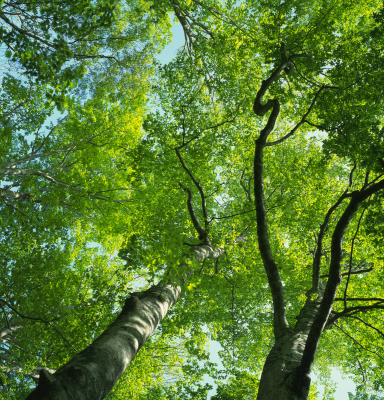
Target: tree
point(284, 218)
point(57, 272)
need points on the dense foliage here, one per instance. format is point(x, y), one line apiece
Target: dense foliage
point(145, 163)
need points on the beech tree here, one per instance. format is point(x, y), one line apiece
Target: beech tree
point(257, 209)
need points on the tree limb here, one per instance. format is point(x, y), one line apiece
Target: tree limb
point(196, 224)
point(357, 197)
point(38, 320)
point(350, 258)
point(276, 286)
point(199, 188)
point(319, 249)
point(355, 341)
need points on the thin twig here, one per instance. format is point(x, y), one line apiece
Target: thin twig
point(39, 320)
point(355, 341)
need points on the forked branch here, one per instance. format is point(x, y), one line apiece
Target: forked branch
point(357, 198)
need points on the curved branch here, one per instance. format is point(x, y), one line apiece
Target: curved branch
point(260, 109)
point(317, 258)
point(186, 13)
point(355, 341)
point(274, 280)
point(199, 188)
point(184, 24)
point(366, 323)
point(38, 320)
point(197, 226)
point(26, 33)
point(347, 312)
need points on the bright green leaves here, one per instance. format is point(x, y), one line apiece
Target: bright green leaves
point(58, 45)
point(241, 386)
point(43, 46)
point(375, 223)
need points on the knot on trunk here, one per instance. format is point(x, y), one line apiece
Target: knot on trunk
point(48, 388)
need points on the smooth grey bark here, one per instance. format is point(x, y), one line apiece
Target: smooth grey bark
point(92, 373)
point(7, 332)
point(279, 380)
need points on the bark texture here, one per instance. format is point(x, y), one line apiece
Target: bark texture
point(92, 373)
point(282, 378)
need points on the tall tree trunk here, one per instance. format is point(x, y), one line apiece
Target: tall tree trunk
point(92, 373)
point(281, 378)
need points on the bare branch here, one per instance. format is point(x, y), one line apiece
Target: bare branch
point(215, 13)
point(199, 188)
point(233, 215)
point(50, 133)
point(186, 13)
point(360, 298)
point(357, 197)
point(351, 175)
point(360, 271)
point(366, 323)
point(26, 33)
point(275, 284)
point(184, 24)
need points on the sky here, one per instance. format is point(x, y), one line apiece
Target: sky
point(344, 385)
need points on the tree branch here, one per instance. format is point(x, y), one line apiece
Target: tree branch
point(186, 13)
point(360, 271)
point(319, 249)
point(355, 341)
point(303, 120)
point(366, 323)
point(233, 215)
point(360, 298)
point(202, 234)
point(39, 320)
point(199, 188)
point(357, 197)
point(274, 280)
point(350, 258)
point(184, 24)
point(26, 33)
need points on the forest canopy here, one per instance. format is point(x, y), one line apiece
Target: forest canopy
point(232, 194)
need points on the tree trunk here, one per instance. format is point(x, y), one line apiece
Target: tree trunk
point(281, 378)
point(92, 373)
